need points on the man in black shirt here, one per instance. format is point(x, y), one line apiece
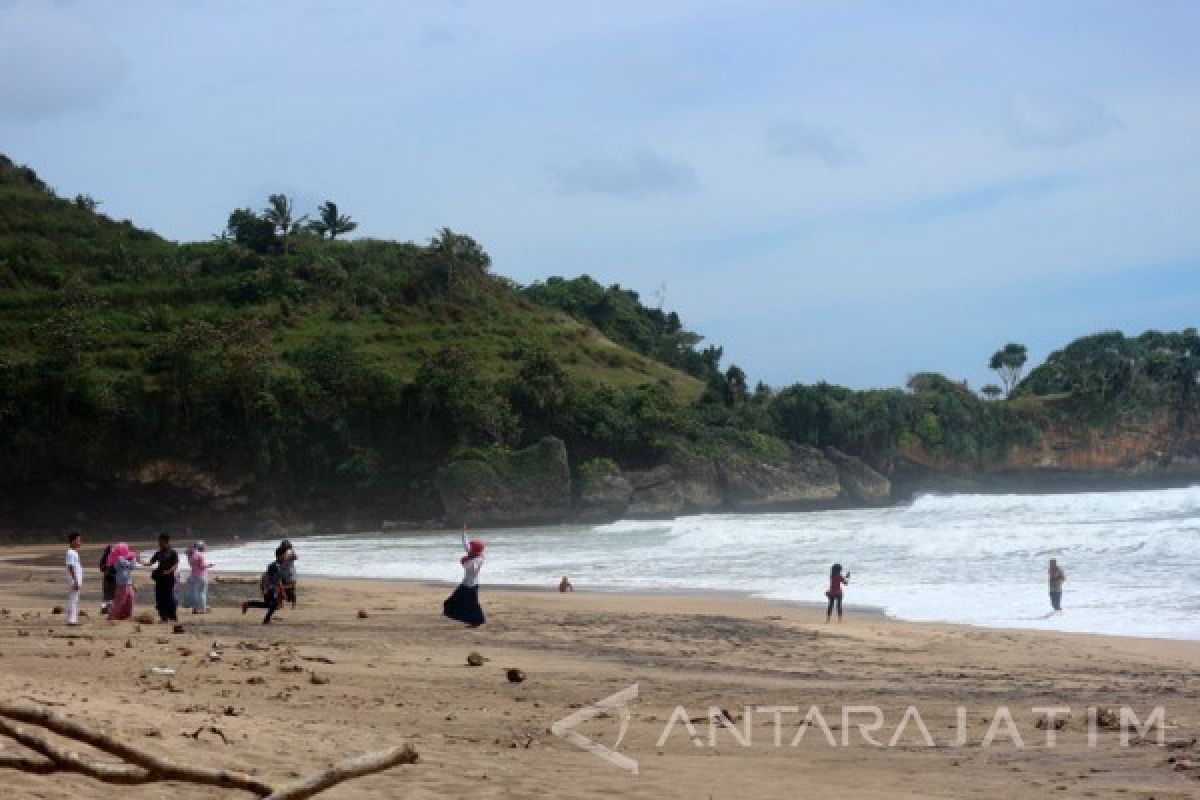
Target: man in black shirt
point(166, 564)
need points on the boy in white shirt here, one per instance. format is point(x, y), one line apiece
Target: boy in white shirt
point(74, 576)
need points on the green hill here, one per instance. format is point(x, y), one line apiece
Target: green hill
point(304, 362)
point(277, 366)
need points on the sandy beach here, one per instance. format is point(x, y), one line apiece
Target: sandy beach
point(324, 682)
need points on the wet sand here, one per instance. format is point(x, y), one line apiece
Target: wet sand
point(400, 674)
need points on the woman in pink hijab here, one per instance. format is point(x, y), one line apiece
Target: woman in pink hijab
point(463, 604)
point(123, 561)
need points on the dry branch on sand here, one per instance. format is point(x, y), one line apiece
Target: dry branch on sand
point(145, 767)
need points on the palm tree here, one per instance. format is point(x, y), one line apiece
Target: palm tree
point(331, 222)
point(279, 213)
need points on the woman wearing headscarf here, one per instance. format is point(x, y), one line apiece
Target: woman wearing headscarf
point(836, 581)
point(197, 589)
point(122, 561)
point(463, 604)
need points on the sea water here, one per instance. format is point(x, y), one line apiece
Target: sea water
point(1132, 559)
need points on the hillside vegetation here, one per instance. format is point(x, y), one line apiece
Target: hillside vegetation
point(295, 363)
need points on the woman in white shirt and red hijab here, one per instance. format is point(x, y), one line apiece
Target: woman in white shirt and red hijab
point(463, 604)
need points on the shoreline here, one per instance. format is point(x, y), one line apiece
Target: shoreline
point(48, 560)
point(250, 527)
point(367, 663)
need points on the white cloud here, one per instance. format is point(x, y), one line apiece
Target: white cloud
point(636, 174)
point(832, 147)
point(1055, 122)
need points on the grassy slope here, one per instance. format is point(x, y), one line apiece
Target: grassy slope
point(146, 286)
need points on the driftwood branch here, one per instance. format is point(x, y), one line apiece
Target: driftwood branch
point(38, 766)
point(69, 760)
point(145, 767)
point(156, 768)
point(350, 768)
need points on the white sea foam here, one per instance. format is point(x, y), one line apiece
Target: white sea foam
point(1132, 558)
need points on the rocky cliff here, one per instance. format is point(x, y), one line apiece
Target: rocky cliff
point(1135, 452)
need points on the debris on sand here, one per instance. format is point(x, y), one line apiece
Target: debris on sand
point(362, 613)
point(515, 676)
point(318, 678)
point(474, 659)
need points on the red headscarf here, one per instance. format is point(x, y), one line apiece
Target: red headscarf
point(474, 550)
point(120, 550)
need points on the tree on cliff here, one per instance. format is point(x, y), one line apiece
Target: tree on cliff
point(1008, 364)
point(991, 391)
point(250, 230)
point(330, 221)
point(279, 212)
point(456, 256)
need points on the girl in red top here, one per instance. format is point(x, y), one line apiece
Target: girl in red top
point(836, 581)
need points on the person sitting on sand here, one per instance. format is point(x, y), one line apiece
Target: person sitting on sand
point(287, 566)
point(122, 561)
point(565, 585)
point(197, 591)
point(166, 567)
point(271, 586)
point(463, 604)
point(836, 581)
point(1056, 576)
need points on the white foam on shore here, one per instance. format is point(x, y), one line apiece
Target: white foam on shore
point(1132, 558)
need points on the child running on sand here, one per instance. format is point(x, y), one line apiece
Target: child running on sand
point(271, 586)
point(836, 581)
point(463, 604)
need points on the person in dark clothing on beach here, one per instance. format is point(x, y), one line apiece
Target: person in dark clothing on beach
point(166, 565)
point(1056, 576)
point(463, 604)
point(271, 586)
point(834, 593)
point(108, 581)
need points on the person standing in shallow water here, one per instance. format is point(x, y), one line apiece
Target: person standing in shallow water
point(463, 604)
point(1056, 576)
point(834, 593)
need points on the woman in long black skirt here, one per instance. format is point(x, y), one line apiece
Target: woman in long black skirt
point(463, 604)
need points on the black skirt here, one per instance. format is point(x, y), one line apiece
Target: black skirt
point(463, 605)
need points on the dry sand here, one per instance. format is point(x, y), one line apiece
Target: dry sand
point(400, 674)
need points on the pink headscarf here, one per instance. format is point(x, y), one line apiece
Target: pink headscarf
point(120, 550)
point(474, 550)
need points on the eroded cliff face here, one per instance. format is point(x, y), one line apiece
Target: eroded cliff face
point(1147, 451)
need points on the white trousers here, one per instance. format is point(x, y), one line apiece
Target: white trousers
point(72, 606)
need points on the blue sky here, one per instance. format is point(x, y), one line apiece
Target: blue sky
point(842, 191)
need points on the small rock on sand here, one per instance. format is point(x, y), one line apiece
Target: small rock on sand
point(362, 613)
point(515, 676)
point(474, 659)
point(318, 678)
